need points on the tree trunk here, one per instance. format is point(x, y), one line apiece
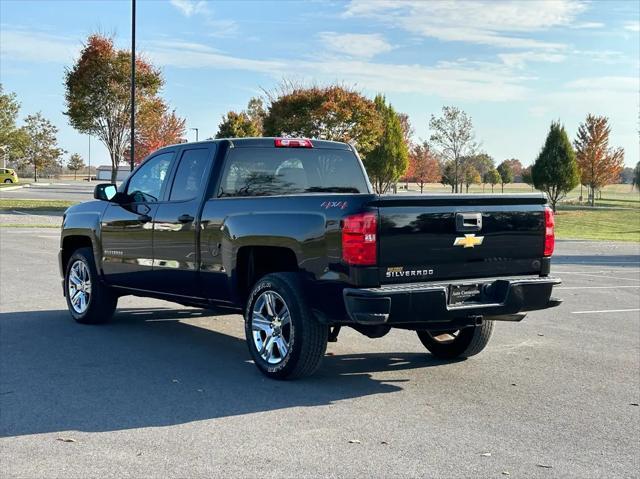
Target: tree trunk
point(114, 167)
point(502, 184)
point(492, 188)
point(421, 187)
point(75, 175)
point(35, 173)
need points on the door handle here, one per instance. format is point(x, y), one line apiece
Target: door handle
point(185, 218)
point(468, 222)
point(144, 218)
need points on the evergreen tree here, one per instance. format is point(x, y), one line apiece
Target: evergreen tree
point(555, 171)
point(389, 159)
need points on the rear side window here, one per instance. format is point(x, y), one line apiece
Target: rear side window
point(189, 177)
point(290, 171)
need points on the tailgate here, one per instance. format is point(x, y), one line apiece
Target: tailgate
point(463, 236)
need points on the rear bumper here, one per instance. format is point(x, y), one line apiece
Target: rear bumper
point(427, 304)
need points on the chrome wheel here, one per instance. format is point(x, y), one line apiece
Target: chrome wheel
point(79, 286)
point(271, 327)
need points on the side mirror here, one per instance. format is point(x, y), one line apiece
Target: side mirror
point(105, 191)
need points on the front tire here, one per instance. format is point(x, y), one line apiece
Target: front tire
point(8, 181)
point(89, 301)
point(461, 343)
point(284, 338)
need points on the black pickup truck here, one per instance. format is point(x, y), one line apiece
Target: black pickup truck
point(289, 232)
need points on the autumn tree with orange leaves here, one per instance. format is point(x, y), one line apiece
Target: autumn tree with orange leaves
point(423, 166)
point(599, 164)
point(156, 127)
point(98, 89)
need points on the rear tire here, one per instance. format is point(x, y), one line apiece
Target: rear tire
point(461, 343)
point(8, 181)
point(88, 299)
point(284, 338)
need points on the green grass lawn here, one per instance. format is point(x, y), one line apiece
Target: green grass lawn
point(34, 205)
point(598, 224)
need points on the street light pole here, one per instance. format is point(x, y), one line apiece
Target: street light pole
point(196, 132)
point(133, 79)
point(89, 176)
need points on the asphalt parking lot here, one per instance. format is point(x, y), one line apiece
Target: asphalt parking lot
point(53, 190)
point(170, 391)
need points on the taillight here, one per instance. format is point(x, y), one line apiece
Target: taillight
point(549, 233)
point(292, 143)
point(359, 239)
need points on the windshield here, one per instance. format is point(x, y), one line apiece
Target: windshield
point(289, 171)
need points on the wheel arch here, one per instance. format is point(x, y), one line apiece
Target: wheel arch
point(254, 262)
point(71, 243)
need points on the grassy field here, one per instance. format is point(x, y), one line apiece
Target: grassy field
point(598, 224)
point(8, 204)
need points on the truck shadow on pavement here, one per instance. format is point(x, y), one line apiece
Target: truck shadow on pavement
point(148, 369)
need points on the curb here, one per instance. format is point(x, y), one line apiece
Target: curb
point(11, 188)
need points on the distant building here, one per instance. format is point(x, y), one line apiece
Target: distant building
point(103, 173)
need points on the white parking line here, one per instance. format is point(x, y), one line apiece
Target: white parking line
point(607, 311)
point(596, 287)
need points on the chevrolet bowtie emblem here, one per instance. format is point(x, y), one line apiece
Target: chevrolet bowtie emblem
point(468, 241)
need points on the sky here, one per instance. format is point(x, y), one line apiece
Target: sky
point(514, 67)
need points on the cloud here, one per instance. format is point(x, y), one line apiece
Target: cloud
point(619, 84)
point(519, 60)
point(218, 27)
point(632, 26)
point(194, 55)
point(37, 47)
point(452, 80)
point(588, 25)
point(502, 24)
point(191, 7)
point(461, 80)
point(357, 45)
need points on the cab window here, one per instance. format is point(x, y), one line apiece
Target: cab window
point(291, 171)
point(146, 184)
point(190, 175)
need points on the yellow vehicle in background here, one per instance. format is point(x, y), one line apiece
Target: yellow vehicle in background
point(7, 175)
